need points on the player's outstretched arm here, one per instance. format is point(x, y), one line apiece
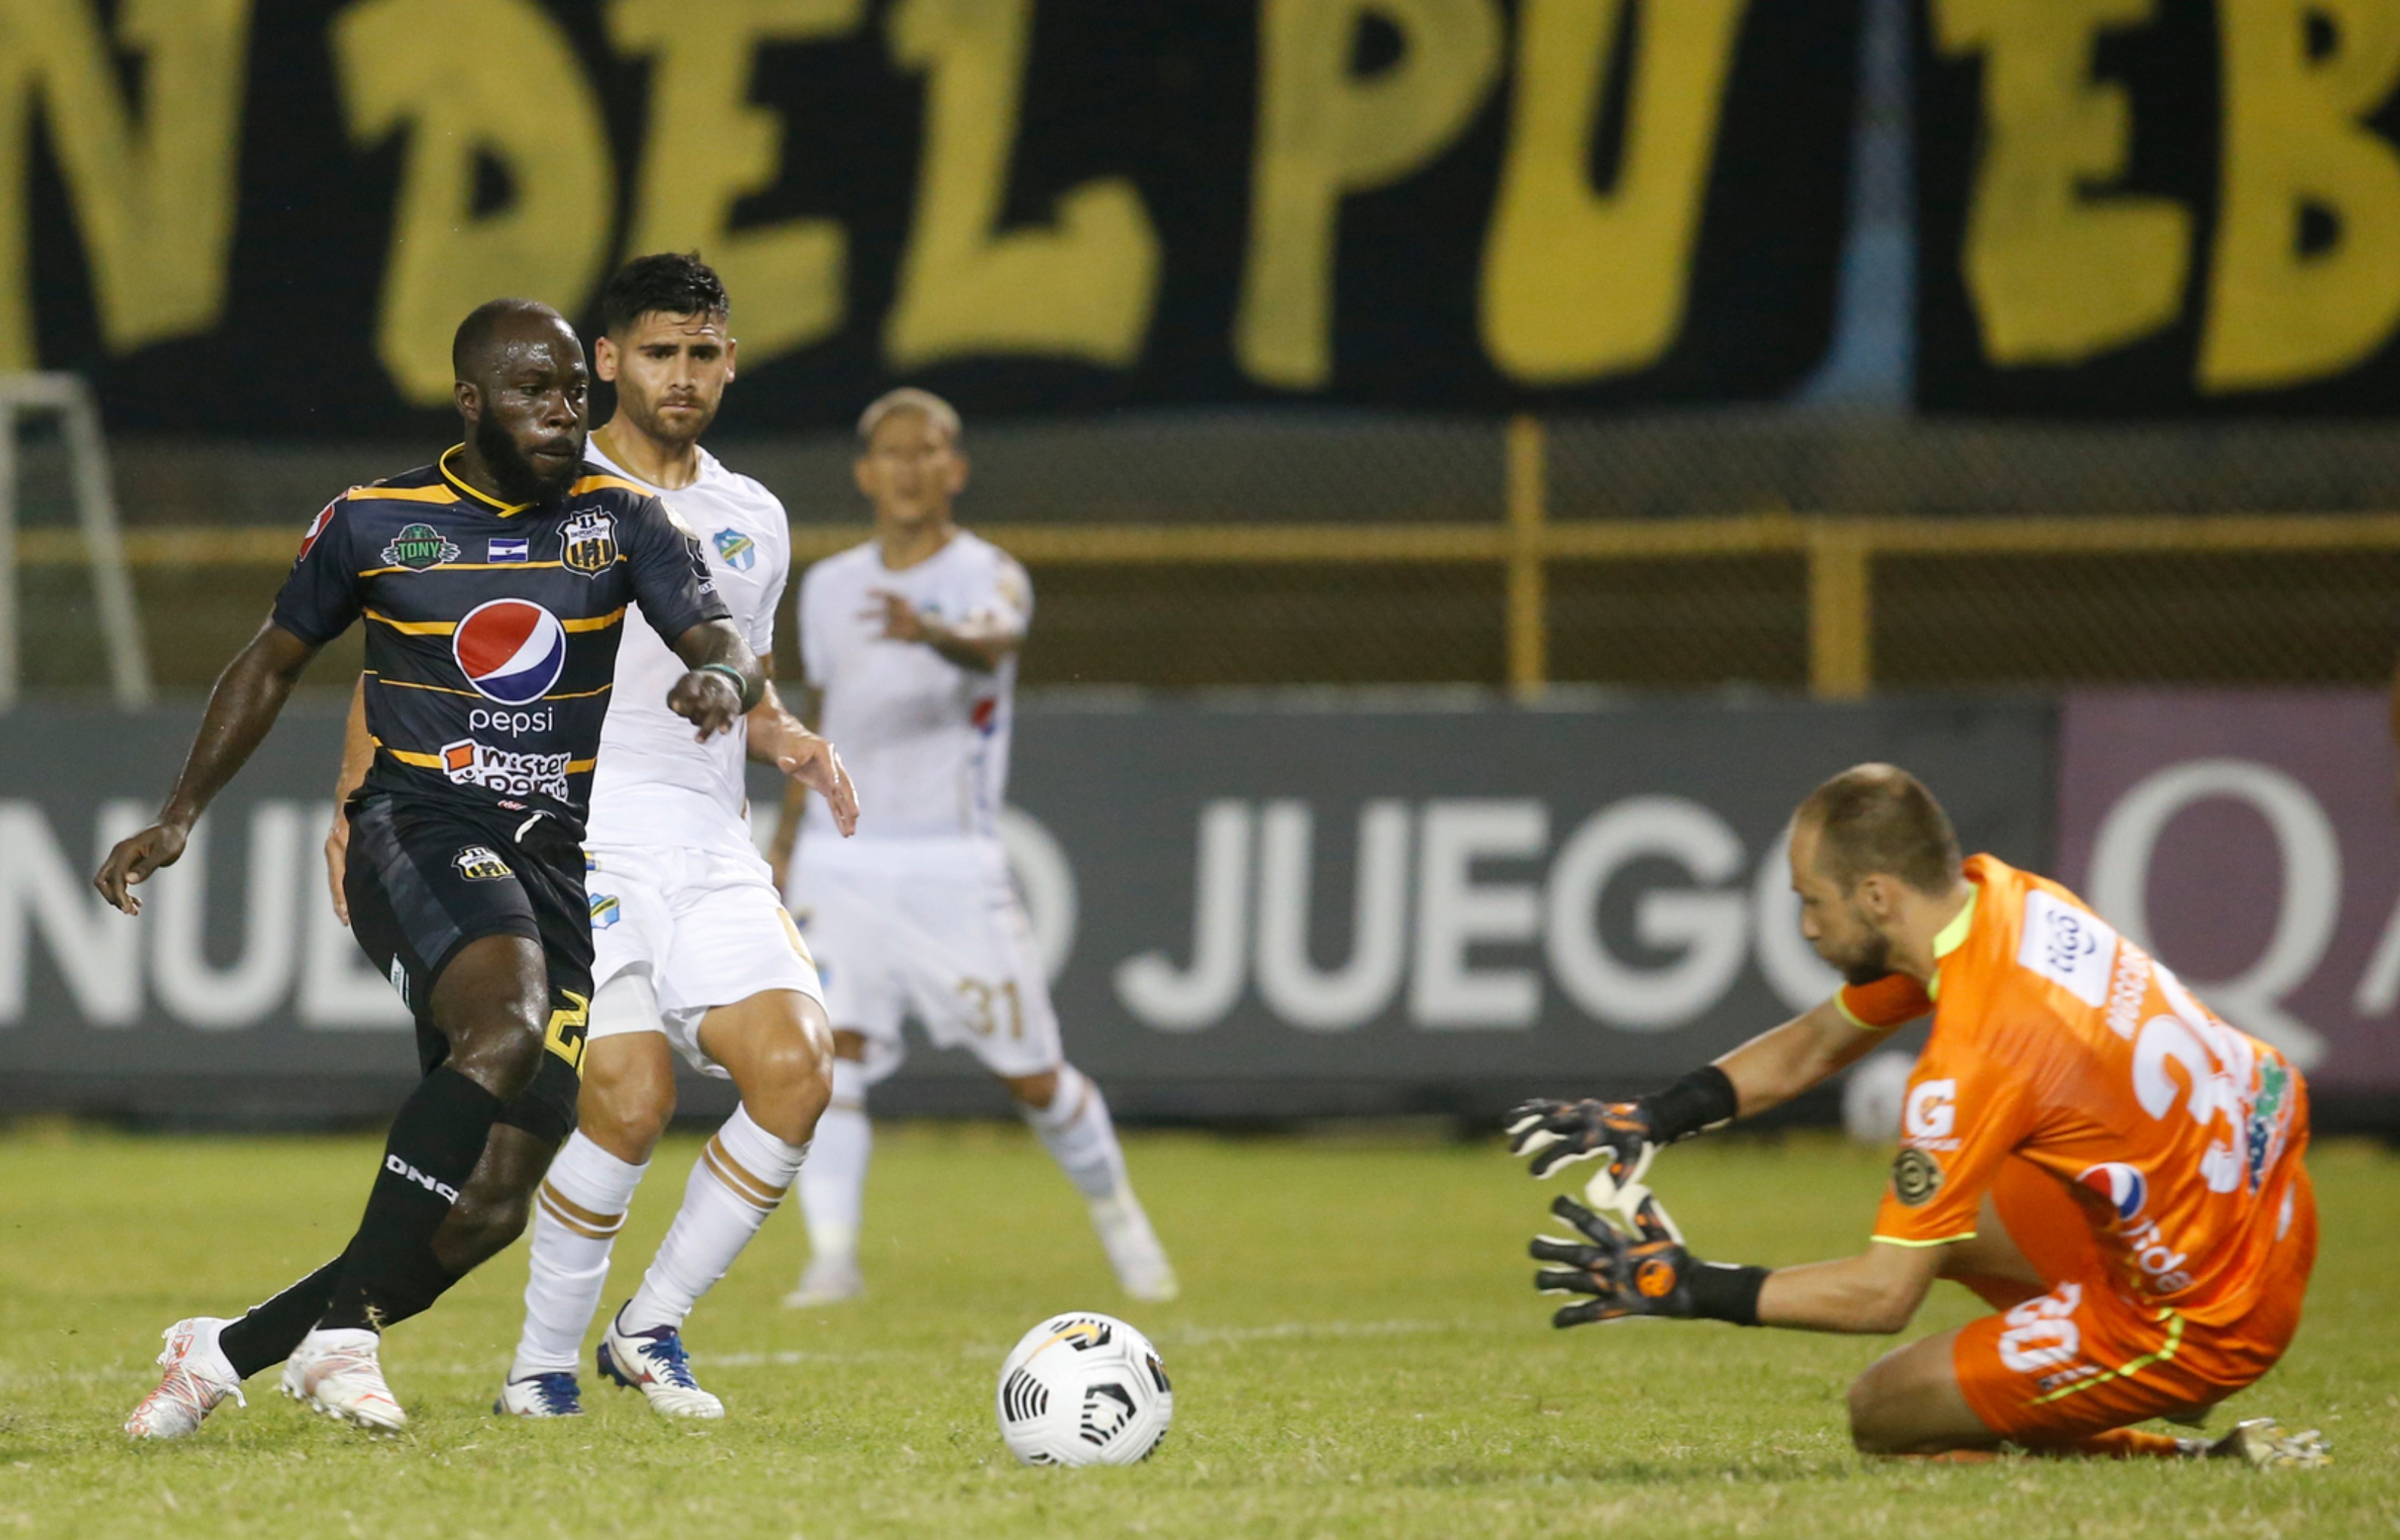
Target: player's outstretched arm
point(247, 698)
point(1637, 1267)
point(1766, 1071)
point(725, 680)
point(780, 739)
point(1644, 1269)
point(1874, 1293)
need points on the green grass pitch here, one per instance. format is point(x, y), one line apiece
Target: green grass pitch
point(1358, 1352)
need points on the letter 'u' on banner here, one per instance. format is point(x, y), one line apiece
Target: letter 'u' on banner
point(1579, 284)
point(2300, 79)
point(2058, 273)
point(469, 79)
point(1324, 133)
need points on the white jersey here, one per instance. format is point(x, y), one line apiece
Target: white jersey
point(654, 785)
point(926, 741)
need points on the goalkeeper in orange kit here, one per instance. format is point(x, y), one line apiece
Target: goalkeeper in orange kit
point(2111, 1167)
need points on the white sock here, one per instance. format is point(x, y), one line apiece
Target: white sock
point(1076, 1130)
point(580, 1207)
point(833, 1185)
point(735, 1184)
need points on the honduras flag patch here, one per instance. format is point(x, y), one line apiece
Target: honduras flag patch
point(499, 550)
point(739, 551)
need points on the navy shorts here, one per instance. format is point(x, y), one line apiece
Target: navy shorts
point(425, 878)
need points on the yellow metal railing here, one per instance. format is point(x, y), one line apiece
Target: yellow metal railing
point(1840, 553)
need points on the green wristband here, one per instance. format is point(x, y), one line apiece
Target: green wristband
point(741, 685)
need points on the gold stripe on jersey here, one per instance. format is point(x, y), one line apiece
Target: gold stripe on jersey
point(476, 695)
point(457, 567)
point(597, 483)
point(400, 494)
point(446, 628)
point(414, 628)
point(506, 511)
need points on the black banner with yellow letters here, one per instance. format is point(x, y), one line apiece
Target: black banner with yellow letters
point(266, 216)
point(2133, 207)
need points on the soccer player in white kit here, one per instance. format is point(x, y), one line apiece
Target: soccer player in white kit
point(910, 642)
point(692, 946)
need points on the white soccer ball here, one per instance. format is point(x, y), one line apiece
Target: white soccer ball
point(1873, 1093)
point(1082, 1389)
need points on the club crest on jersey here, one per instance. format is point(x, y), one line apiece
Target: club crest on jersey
point(418, 546)
point(588, 542)
point(606, 911)
point(2122, 1187)
point(736, 551)
point(478, 864)
point(512, 650)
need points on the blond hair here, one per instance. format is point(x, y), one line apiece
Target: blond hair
point(941, 413)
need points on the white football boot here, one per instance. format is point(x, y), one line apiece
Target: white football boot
point(1144, 1270)
point(197, 1378)
point(828, 1279)
point(2261, 1443)
point(654, 1362)
point(551, 1395)
point(336, 1373)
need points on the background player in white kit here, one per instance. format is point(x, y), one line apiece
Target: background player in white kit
point(910, 641)
point(691, 944)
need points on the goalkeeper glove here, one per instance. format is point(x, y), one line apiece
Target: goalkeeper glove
point(1626, 1132)
point(1645, 1272)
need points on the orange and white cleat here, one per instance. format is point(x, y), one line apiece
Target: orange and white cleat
point(336, 1373)
point(197, 1378)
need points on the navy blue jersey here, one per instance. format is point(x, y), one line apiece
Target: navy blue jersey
point(492, 627)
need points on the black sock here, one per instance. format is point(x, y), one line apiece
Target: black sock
point(267, 1335)
point(390, 1272)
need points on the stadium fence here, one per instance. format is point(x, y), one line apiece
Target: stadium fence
point(1264, 554)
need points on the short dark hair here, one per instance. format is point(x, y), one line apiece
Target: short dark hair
point(475, 333)
point(1879, 818)
point(672, 283)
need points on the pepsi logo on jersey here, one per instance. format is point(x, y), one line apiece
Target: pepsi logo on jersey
point(511, 651)
point(2122, 1187)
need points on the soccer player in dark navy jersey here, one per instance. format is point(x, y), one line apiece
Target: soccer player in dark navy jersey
point(494, 585)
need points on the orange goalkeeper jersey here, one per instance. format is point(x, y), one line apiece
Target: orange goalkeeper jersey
point(2060, 1043)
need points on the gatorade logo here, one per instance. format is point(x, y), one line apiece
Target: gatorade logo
point(512, 650)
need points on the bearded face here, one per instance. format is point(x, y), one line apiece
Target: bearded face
point(521, 476)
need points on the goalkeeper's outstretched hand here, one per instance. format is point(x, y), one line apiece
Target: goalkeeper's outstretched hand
point(1645, 1272)
point(1559, 1133)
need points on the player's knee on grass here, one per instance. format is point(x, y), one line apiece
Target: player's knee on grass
point(497, 1203)
point(1908, 1402)
point(492, 1003)
point(628, 1094)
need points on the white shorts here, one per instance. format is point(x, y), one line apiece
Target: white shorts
point(702, 925)
point(932, 929)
